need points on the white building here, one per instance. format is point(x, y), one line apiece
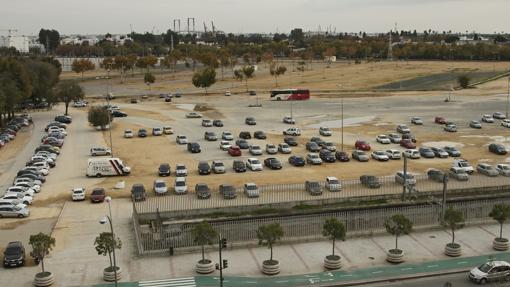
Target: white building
point(21, 43)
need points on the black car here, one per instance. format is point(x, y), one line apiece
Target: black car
point(327, 155)
point(164, 169)
point(242, 144)
point(290, 141)
point(342, 156)
point(228, 191)
point(239, 166)
point(217, 123)
point(204, 168)
point(259, 135)
point(452, 151)
point(409, 136)
point(138, 192)
point(245, 135)
point(168, 99)
point(142, 133)
point(312, 147)
point(118, 114)
point(250, 121)
point(31, 174)
point(498, 149)
point(14, 254)
point(253, 93)
point(370, 181)
point(63, 119)
point(272, 163)
point(202, 191)
point(297, 160)
point(316, 139)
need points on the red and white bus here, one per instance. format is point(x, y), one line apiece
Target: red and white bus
point(290, 94)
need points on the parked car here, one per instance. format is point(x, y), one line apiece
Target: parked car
point(325, 131)
point(14, 254)
point(159, 187)
point(217, 123)
point(329, 146)
point(359, 155)
point(362, 145)
point(234, 151)
point(96, 151)
point(271, 149)
point(407, 143)
point(312, 147)
point(157, 131)
point(426, 152)
point(370, 181)
point(297, 160)
point(499, 116)
point(210, 136)
point(119, 114)
point(342, 156)
point(475, 125)
point(228, 94)
point(436, 175)
point(313, 158)
point(138, 192)
point(272, 163)
point(440, 120)
point(284, 148)
point(226, 135)
point(327, 156)
point(250, 121)
point(503, 169)
point(403, 129)
point(380, 155)
point(452, 128)
point(194, 148)
point(98, 194)
point(142, 133)
point(207, 123)
point(395, 138)
point(383, 139)
point(452, 151)
point(491, 271)
point(245, 135)
point(288, 120)
point(181, 170)
point(192, 115)
point(254, 164)
point(251, 190)
point(63, 119)
point(290, 141)
point(487, 169)
point(18, 197)
point(239, 166)
point(225, 145)
point(463, 164)
point(410, 179)
point(498, 149)
point(204, 168)
point(242, 144)
point(506, 123)
point(487, 119)
point(181, 139)
point(394, 154)
point(417, 121)
point(255, 150)
point(292, 132)
point(333, 184)
point(411, 153)
point(227, 191)
point(218, 166)
point(458, 173)
point(14, 211)
point(202, 191)
point(164, 169)
point(439, 152)
point(313, 187)
point(128, 134)
point(180, 185)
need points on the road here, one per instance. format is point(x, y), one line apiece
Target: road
point(456, 280)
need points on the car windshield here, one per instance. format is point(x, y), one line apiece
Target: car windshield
point(334, 181)
point(314, 156)
point(218, 164)
point(505, 167)
point(251, 187)
point(77, 191)
point(329, 144)
point(180, 167)
point(270, 146)
point(463, 164)
point(160, 184)
point(180, 183)
point(380, 153)
point(12, 251)
point(485, 268)
point(285, 146)
point(256, 161)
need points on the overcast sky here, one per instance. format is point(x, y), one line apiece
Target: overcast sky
point(244, 16)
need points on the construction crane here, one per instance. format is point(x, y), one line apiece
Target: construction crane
point(10, 31)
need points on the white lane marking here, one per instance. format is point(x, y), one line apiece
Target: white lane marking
point(407, 268)
point(432, 266)
point(377, 272)
point(462, 262)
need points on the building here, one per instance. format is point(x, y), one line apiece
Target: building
point(21, 43)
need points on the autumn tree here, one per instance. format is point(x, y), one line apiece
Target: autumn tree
point(277, 70)
point(82, 66)
point(68, 91)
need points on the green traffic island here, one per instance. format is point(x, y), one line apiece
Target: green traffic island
point(271, 267)
point(500, 244)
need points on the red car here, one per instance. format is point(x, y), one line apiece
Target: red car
point(234, 151)
point(407, 143)
point(362, 145)
point(440, 120)
point(97, 195)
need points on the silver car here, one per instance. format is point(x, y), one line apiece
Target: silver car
point(14, 211)
point(271, 149)
point(487, 169)
point(251, 190)
point(160, 187)
point(218, 166)
point(503, 169)
point(399, 178)
point(458, 173)
point(490, 271)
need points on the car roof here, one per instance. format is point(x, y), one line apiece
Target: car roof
point(331, 178)
point(180, 178)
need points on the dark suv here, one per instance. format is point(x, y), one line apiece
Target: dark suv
point(63, 119)
point(245, 135)
point(259, 135)
point(497, 149)
point(14, 254)
point(138, 192)
point(239, 166)
point(164, 169)
point(194, 147)
point(327, 155)
point(204, 168)
point(202, 191)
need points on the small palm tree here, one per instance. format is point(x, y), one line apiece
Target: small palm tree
point(268, 235)
point(334, 229)
point(203, 233)
point(500, 213)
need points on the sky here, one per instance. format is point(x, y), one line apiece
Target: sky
point(253, 16)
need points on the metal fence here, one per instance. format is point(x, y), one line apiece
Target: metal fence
point(162, 235)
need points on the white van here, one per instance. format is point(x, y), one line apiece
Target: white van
point(106, 167)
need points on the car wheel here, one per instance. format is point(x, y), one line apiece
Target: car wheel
point(483, 281)
point(26, 203)
point(98, 175)
point(20, 216)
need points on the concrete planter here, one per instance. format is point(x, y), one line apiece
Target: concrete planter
point(500, 244)
point(109, 274)
point(395, 256)
point(453, 250)
point(332, 262)
point(270, 267)
point(205, 266)
point(42, 279)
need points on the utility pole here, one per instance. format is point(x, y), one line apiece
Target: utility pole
point(404, 188)
point(342, 118)
point(109, 111)
point(508, 97)
point(445, 188)
point(223, 263)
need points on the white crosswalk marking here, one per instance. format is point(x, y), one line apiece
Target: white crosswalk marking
point(175, 282)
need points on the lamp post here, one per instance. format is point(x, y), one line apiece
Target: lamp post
point(342, 115)
point(103, 221)
point(109, 112)
point(508, 97)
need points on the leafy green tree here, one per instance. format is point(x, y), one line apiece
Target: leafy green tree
point(98, 116)
point(297, 37)
point(204, 78)
point(453, 220)
point(43, 78)
point(276, 70)
point(41, 244)
point(500, 213)
point(131, 61)
point(268, 235)
point(82, 66)
point(398, 225)
point(104, 244)
point(16, 83)
point(248, 73)
point(50, 39)
point(334, 229)
point(203, 233)
point(463, 81)
point(224, 57)
point(68, 91)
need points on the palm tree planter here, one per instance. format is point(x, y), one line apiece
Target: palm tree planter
point(397, 225)
point(333, 229)
point(268, 235)
point(41, 246)
point(104, 245)
point(500, 213)
point(203, 234)
point(453, 220)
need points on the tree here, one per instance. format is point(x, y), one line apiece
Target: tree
point(463, 81)
point(203, 233)
point(268, 235)
point(98, 116)
point(104, 244)
point(453, 219)
point(334, 229)
point(297, 37)
point(398, 225)
point(224, 59)
point(500, 213)
point(121, 63)
point(41, 244)
point(50, 39)
point(82, 66)
point(277, 70)
point(149, 79)
point(204, 78)
point(248, 71)
point(68, 91)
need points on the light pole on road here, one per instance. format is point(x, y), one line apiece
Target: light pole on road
point(103, 221)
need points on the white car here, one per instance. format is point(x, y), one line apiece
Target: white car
point(22, 190)
point(333, 184)
point(14, 211)
point(180, 186)
point(292, 132)
point(463, 164)
point(254, 164)
point(128, 134)
point(25, 199)
point(46, 159)
point(289, 120)
point(503, 168)
point(180, 170)
point(160, 187)
point(395, 138)
point(226, 135)
point(225, 145)
point(193, 115)
point(48, 154)
point(324, 131)
point(417, 121)
point(157, 131)
point(313, 158)
point(251, 190)
point(79, 104)
point(412, 153)
point(11, 203)
point(207, 123)
point(96, 151)
point(384, 139)
point(181, 139)
point(218, 166)
point(26, 184)
point(284, 148)
point(271, 149)
point(26, 179)
point(506, 123)
point(55, 129)
point(168, 130)
point(393, 154)
point(487, 119)
point(380, 155)
point(255, 150)
point(78, 194)
point(40, 170)
point(329, 146)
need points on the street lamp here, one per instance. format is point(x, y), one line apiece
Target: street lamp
point(342, 115)
point(108, 218)
point(508, 97)
point(109, 112)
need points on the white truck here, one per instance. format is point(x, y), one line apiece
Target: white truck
point(106, 166)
